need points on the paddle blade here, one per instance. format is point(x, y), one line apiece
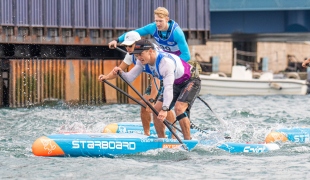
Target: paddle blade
point(185, 147)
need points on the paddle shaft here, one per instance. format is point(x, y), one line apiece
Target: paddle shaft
point(221, 121)
point(120, 90)
point(121, 50)
point(155, 112)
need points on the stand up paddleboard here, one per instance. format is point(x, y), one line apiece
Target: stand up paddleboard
point(136, 127)
point(248, 147)
point(110, 145)
point(102, 144)
point(127, 138)
point(296, 135)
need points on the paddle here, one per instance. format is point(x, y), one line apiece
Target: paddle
point(121, 50)
point(221, 120)
point(138, 102)
point(155, 112)
point(120, 90)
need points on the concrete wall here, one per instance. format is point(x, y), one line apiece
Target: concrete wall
point(277, 53)
point(223, 50)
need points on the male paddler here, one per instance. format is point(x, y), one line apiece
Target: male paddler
point(166, 32)
point(180, 89)
point(151, 92)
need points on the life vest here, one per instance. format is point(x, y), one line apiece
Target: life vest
point(157, 74)
point(168, 43)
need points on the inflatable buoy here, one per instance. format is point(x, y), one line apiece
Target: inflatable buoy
point(275, 136)
point(111, 128)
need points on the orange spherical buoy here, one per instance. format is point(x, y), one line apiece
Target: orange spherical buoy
point(110, 128)
point(275, 137)
point(45, 146)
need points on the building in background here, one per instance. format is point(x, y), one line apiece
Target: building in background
point(271, 35)
point(55, 49)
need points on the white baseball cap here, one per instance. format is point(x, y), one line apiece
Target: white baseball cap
point(131, 37)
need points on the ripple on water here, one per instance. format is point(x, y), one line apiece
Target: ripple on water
point(249, 119)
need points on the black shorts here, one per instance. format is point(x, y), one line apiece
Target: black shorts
point(185, 92)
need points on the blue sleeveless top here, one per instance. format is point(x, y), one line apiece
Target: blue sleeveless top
point(168, 43)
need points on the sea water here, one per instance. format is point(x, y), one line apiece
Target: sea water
point(249, 119)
